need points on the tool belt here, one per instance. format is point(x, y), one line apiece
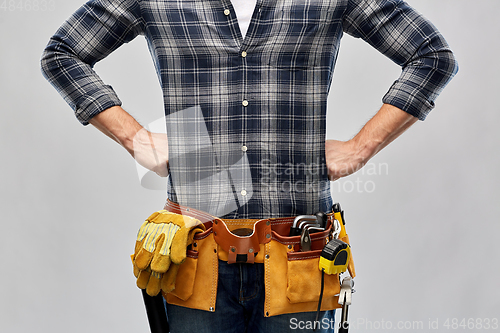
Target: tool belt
point(292, 277)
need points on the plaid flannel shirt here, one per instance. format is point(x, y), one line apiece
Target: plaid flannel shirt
point(249, 142)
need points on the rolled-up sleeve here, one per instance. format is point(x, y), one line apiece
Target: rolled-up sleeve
point(88, 36)
point(410, 40)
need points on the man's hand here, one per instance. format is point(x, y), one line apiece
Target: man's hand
point(342, 159)
point(345, 158)
point(149, 149)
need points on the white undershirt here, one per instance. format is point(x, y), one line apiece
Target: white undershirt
point(244, 10)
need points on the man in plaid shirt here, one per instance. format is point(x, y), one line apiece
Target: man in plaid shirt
point(245, 113)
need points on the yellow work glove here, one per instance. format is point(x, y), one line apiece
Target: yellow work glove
point(160, 248)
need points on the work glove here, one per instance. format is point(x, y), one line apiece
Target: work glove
point(160, 248)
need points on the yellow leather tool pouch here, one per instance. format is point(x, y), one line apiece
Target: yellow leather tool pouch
point(293, 278)
point(196, 282)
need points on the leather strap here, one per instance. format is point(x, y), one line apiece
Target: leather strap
point(242, 248)
point(205, 218)
point(245, 248)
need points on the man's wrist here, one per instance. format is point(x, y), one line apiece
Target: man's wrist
point(382, 129)
point(364, 148)
point(119, 125)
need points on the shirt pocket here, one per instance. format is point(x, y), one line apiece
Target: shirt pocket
point(182, 28)
point(304, 27)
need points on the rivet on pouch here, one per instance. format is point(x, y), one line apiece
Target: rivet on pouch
point(267, 256)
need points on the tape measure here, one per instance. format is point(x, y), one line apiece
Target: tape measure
point(335, 257)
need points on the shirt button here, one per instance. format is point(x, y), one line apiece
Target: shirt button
point(243, 192)
point(243, 54)
point(245, 103)
point(227, 12)
point(244, 148)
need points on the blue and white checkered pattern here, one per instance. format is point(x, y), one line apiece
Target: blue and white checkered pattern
point(263, 97)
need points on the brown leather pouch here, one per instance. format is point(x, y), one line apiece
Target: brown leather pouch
point(293, 278)
point(196, 282)
point(242, 248)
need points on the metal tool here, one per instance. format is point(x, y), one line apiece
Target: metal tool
point(322, 219)
point(314, 229)
point(295, 230)
point(308, 223)
point(345, 299)
point(305, 240)
point(303, 221)
point(338, 214)
point(336, 229)
point(302, 218)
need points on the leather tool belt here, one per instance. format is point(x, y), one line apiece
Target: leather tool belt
point(292, 277)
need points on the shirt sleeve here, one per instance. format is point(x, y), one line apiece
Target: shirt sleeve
point(94, 31)
point(410, 40)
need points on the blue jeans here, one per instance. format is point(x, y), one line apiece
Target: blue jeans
point(240, 308)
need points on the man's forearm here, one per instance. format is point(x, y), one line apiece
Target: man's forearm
point(119, 125)
point(149, 149)
point(389, 123)
point(345, 158)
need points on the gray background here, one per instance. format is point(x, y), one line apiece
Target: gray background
point(423, 229)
